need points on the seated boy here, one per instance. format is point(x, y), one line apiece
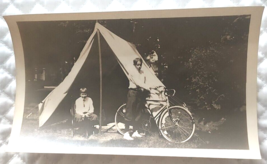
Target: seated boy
point(84, 112)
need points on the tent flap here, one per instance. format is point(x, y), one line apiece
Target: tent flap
point(126, 53)
point(52, 101)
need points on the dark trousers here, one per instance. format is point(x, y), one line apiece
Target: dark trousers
point(135, 106)
point(87, 123)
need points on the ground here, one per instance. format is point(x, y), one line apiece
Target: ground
point(206, 135)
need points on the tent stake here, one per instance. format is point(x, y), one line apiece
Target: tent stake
point(100, 72)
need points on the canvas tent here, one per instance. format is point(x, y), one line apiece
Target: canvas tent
point(125, 53)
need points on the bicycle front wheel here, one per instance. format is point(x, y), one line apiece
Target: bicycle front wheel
point(120, 120)
point(177, 124)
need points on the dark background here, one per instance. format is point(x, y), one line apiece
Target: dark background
point(204, 59)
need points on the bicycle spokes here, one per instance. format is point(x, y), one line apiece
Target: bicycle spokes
point(177, 124)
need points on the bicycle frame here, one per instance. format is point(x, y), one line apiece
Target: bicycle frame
point(161, 110)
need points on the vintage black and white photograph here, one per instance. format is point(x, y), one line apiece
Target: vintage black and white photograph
point(177, 82)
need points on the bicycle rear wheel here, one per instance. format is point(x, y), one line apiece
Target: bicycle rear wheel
point(120, 120)
point(177, 124)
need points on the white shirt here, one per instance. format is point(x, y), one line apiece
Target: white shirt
point(84, 105)
point(138, 79)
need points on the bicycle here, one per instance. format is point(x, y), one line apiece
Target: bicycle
point(175, 123)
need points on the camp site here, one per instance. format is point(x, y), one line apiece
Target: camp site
point(193, 62)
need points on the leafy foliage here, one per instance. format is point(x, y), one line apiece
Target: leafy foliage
point(203, 76)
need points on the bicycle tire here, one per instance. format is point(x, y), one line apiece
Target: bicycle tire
point(119, 119)
point(176, 124)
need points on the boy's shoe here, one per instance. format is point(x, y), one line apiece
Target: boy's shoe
point(136, 135)
point(127, 136)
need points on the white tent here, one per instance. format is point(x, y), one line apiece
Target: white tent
point(124, 52)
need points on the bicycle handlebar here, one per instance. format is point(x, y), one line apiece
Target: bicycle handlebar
point(166, 91)
point(174, 91)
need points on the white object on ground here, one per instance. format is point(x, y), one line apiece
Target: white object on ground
point(127, 136)
point(136, 134)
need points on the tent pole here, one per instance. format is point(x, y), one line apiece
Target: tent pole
point(100, 72)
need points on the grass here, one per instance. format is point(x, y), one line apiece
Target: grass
point(62, 133)
point(111, 138)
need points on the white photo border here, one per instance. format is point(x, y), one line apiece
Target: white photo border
point(15, 144)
